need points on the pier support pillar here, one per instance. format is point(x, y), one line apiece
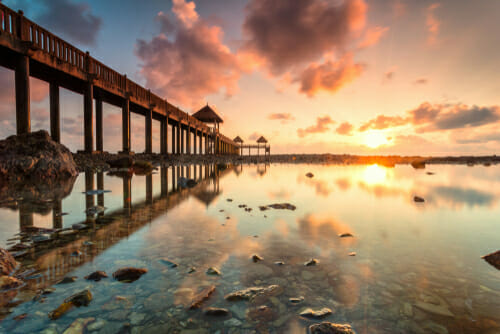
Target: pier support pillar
point(164, 181)
point(173, 139)
point(23, 109)
point(206, 144)
point(55, 121)
point(99, 141)
point(88, 117)
point(127, 193)
point(183, 148)
point(149, 189)
point(178, 139)
point(149, 133)
point(126, 126)
point(188, 139)
point(200, 146)
point(195, 151)
point(100, 186)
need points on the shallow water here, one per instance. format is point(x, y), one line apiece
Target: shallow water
point(417, 266)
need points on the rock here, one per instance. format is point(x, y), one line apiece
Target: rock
point(311, 262)
point(136, 318)
point(439, 309)
point(256, 258)
point(9, 282)
point(96, 325)
point(297, 300)
point(168, 263)
point(418, 199)
point(67, 279)
point(263, 208)
point(142, 167)
point(330, 328)
point(124, 162)
point(418, 164)
point(201, 297)
point(346, 235)
point(216, 312)
point(213, 271)
point(96, 276)
point(78, 326)
point(430, 173)
point(279, 263)
point(229, 199)
point(493, 259)
point(129, 274)
point(352, 254)
point(283, 206)
point(316, 314)
point(309, 175)
point(251, 293)
point(35, 157)
point(191, 270)
point(7, 262)
point(82, 298)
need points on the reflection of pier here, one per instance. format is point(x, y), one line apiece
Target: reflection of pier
point(53, 259)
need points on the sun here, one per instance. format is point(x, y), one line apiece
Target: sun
point(374, 139)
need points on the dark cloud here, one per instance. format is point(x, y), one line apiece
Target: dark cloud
point(188, 62)
point(344, 129)
point(321, 126)
point(329, 76)
point(71, 20)
point(283, 117)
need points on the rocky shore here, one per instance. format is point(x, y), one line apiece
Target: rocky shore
point(101, 161)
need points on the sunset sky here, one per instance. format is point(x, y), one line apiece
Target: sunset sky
point(312, 76)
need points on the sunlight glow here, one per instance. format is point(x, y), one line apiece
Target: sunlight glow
point(375, 174)
point(374, 139)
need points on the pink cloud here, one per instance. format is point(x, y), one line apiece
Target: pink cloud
point(372, 36)
point(432, 23)
point(189, 63)
point(345, 129)
point(283, 117)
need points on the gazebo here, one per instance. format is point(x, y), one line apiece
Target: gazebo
point(261, 140)
point(239, 141)
point(209, 116)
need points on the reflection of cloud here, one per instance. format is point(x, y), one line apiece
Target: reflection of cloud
point(323, 232)
point(343, 184)
point(279, 194)
point(321, 187)
point(457, 197)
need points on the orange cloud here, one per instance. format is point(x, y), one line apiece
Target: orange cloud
point(321, 126)
point(373, 36)
point(383, 122)
point(344, 129)
point(432, 24)
point(329, 76)
point(421, 81)
point(283, 117)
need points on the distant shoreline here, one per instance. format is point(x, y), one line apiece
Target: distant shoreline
point(99, 160)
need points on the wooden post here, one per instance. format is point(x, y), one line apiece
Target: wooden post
point(178, 138)
point(200, 144)
point(173, 140)
point(98, 125)
point(126, 126)
point(55, 123)
point(149, 132)
point(195, 151)
point(188, 139)
point(88, 116)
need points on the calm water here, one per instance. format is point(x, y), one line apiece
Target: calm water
point(417, 267)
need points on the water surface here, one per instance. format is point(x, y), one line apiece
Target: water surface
point(416, 269)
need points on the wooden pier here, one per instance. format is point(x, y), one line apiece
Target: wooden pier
point(31, 50)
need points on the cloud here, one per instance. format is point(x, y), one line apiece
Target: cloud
point(421, 81)
point(344, 129)
point(321, 126)
point(288, 33)
point(432, 24)
point(433, 117)
point(71, 20)
point(329, 76)
point(283, 117)
point(187, 60)
point(372, 36)
point(389, 75)
point(383, 122)
point(254, 136)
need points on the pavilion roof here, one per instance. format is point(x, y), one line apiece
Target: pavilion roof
point(262, 140)
point(208, 115)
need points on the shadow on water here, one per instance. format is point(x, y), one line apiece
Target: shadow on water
point(48, 254)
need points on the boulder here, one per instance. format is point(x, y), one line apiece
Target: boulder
point(123, 162)
point(316, 314)
point(251, 293)
point(82, 298)
point(201, 297)
point(493, 259)
point(9, 282)
point(7, 262)
point(96, 276)
point(330, 328)
point(35, 157)
point(216, 312)
point(129, 274)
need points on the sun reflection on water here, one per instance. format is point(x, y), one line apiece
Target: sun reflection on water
point(375, 174)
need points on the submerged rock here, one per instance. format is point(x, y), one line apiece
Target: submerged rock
point(7, 262)
point(311, 262)
point(309, 175)
point(67, 279)
point(315, 314)
point(216, 312)
point(129, 274)
point(168, 263)
point(96, 276)
point(78, 326)
point(82, 298)
point(418, 164)
point(36, 157)
point(257, 258)
point(296, 300)
point(201, 297)
point(250, 293)
point(493, 259)
point(346, 235)
point(330, 328)
point(213, 271)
